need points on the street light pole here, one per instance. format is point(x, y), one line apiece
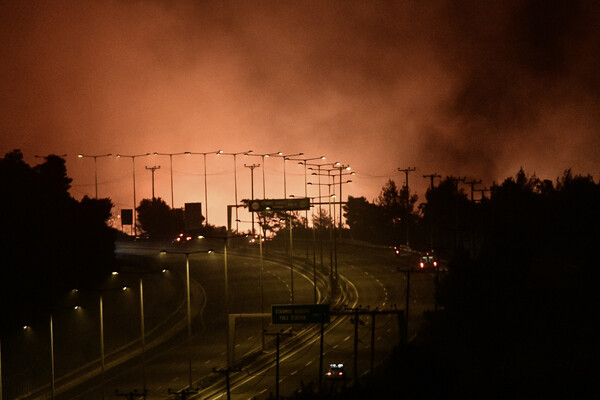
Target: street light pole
point(171, 169)
point(251, 167)
point(52, 356)
point(205, 184)
point(341, 167)
point(237, 219)
point(95, 157)
point(263, 156)
point(133, 157)
point(188, 300)
point(102, 355)
point(286, 157)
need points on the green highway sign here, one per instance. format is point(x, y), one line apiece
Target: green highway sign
point(300, 313)
point(296, 203)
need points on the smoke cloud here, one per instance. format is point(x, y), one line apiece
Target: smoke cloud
point(468, 88)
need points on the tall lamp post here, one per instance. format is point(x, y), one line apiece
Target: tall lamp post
point(303, 161)
point(285, 157)
point(263, 156)
point(143, 320)
point(133, 157)
point(205, 186)
point(342, 168)
point(102, 355)
point(95, 157)
point(171, 168)
point(189, 307)
point(220, 152)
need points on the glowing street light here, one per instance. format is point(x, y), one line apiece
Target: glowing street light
point(95, 157)
point(189, 307)
point(142, 319)
point(102, 363)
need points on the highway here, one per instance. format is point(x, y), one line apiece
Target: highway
point(368, 278)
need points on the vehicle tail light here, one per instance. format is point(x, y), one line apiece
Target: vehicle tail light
point(340, 373)
point(435, 263)
point(421, 265)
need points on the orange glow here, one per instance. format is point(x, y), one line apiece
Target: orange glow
point(374, 86)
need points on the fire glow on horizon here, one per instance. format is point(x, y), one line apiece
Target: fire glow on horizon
point(462, 88)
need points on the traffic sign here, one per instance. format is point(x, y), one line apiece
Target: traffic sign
point(297, 203)
point(300, 313)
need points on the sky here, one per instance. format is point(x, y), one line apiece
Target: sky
point(476, 89)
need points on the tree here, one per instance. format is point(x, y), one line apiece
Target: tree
point(158, 220)
point(50, 242)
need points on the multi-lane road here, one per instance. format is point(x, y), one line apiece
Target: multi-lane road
point(368, 280)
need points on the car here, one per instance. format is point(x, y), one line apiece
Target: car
point(427, 261)
point(182, 238)
point(335, 371)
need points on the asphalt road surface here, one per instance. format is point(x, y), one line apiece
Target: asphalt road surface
point(368, 277)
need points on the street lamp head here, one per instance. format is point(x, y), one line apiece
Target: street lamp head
point(76, 307)
point(348, 168)
point(322, 157)
point(219, 152)
point(124, 288)
point(80, 155)
point(114, 273)
point(210, 251)
point(337, 164)
point(163, 252)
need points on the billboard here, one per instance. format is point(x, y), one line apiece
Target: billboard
point(193, 217)
point(127, 216)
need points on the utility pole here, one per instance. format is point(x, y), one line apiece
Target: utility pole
point(152, 169)
point(431, 186)
point(277, 335)
point(456, 181)
point(472, 183)
point(226, 371)
point(482, 191)
point(432, 177)
point(406, 171)
point(252, 188)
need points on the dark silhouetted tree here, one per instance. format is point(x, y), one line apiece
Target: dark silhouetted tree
point(158, 220)
point(50, 242)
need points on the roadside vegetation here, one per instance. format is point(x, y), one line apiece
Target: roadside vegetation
point(518, 304)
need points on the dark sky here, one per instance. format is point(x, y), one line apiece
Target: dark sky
point(469, 88)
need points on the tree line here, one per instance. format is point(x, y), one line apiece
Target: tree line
point(50, 242)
